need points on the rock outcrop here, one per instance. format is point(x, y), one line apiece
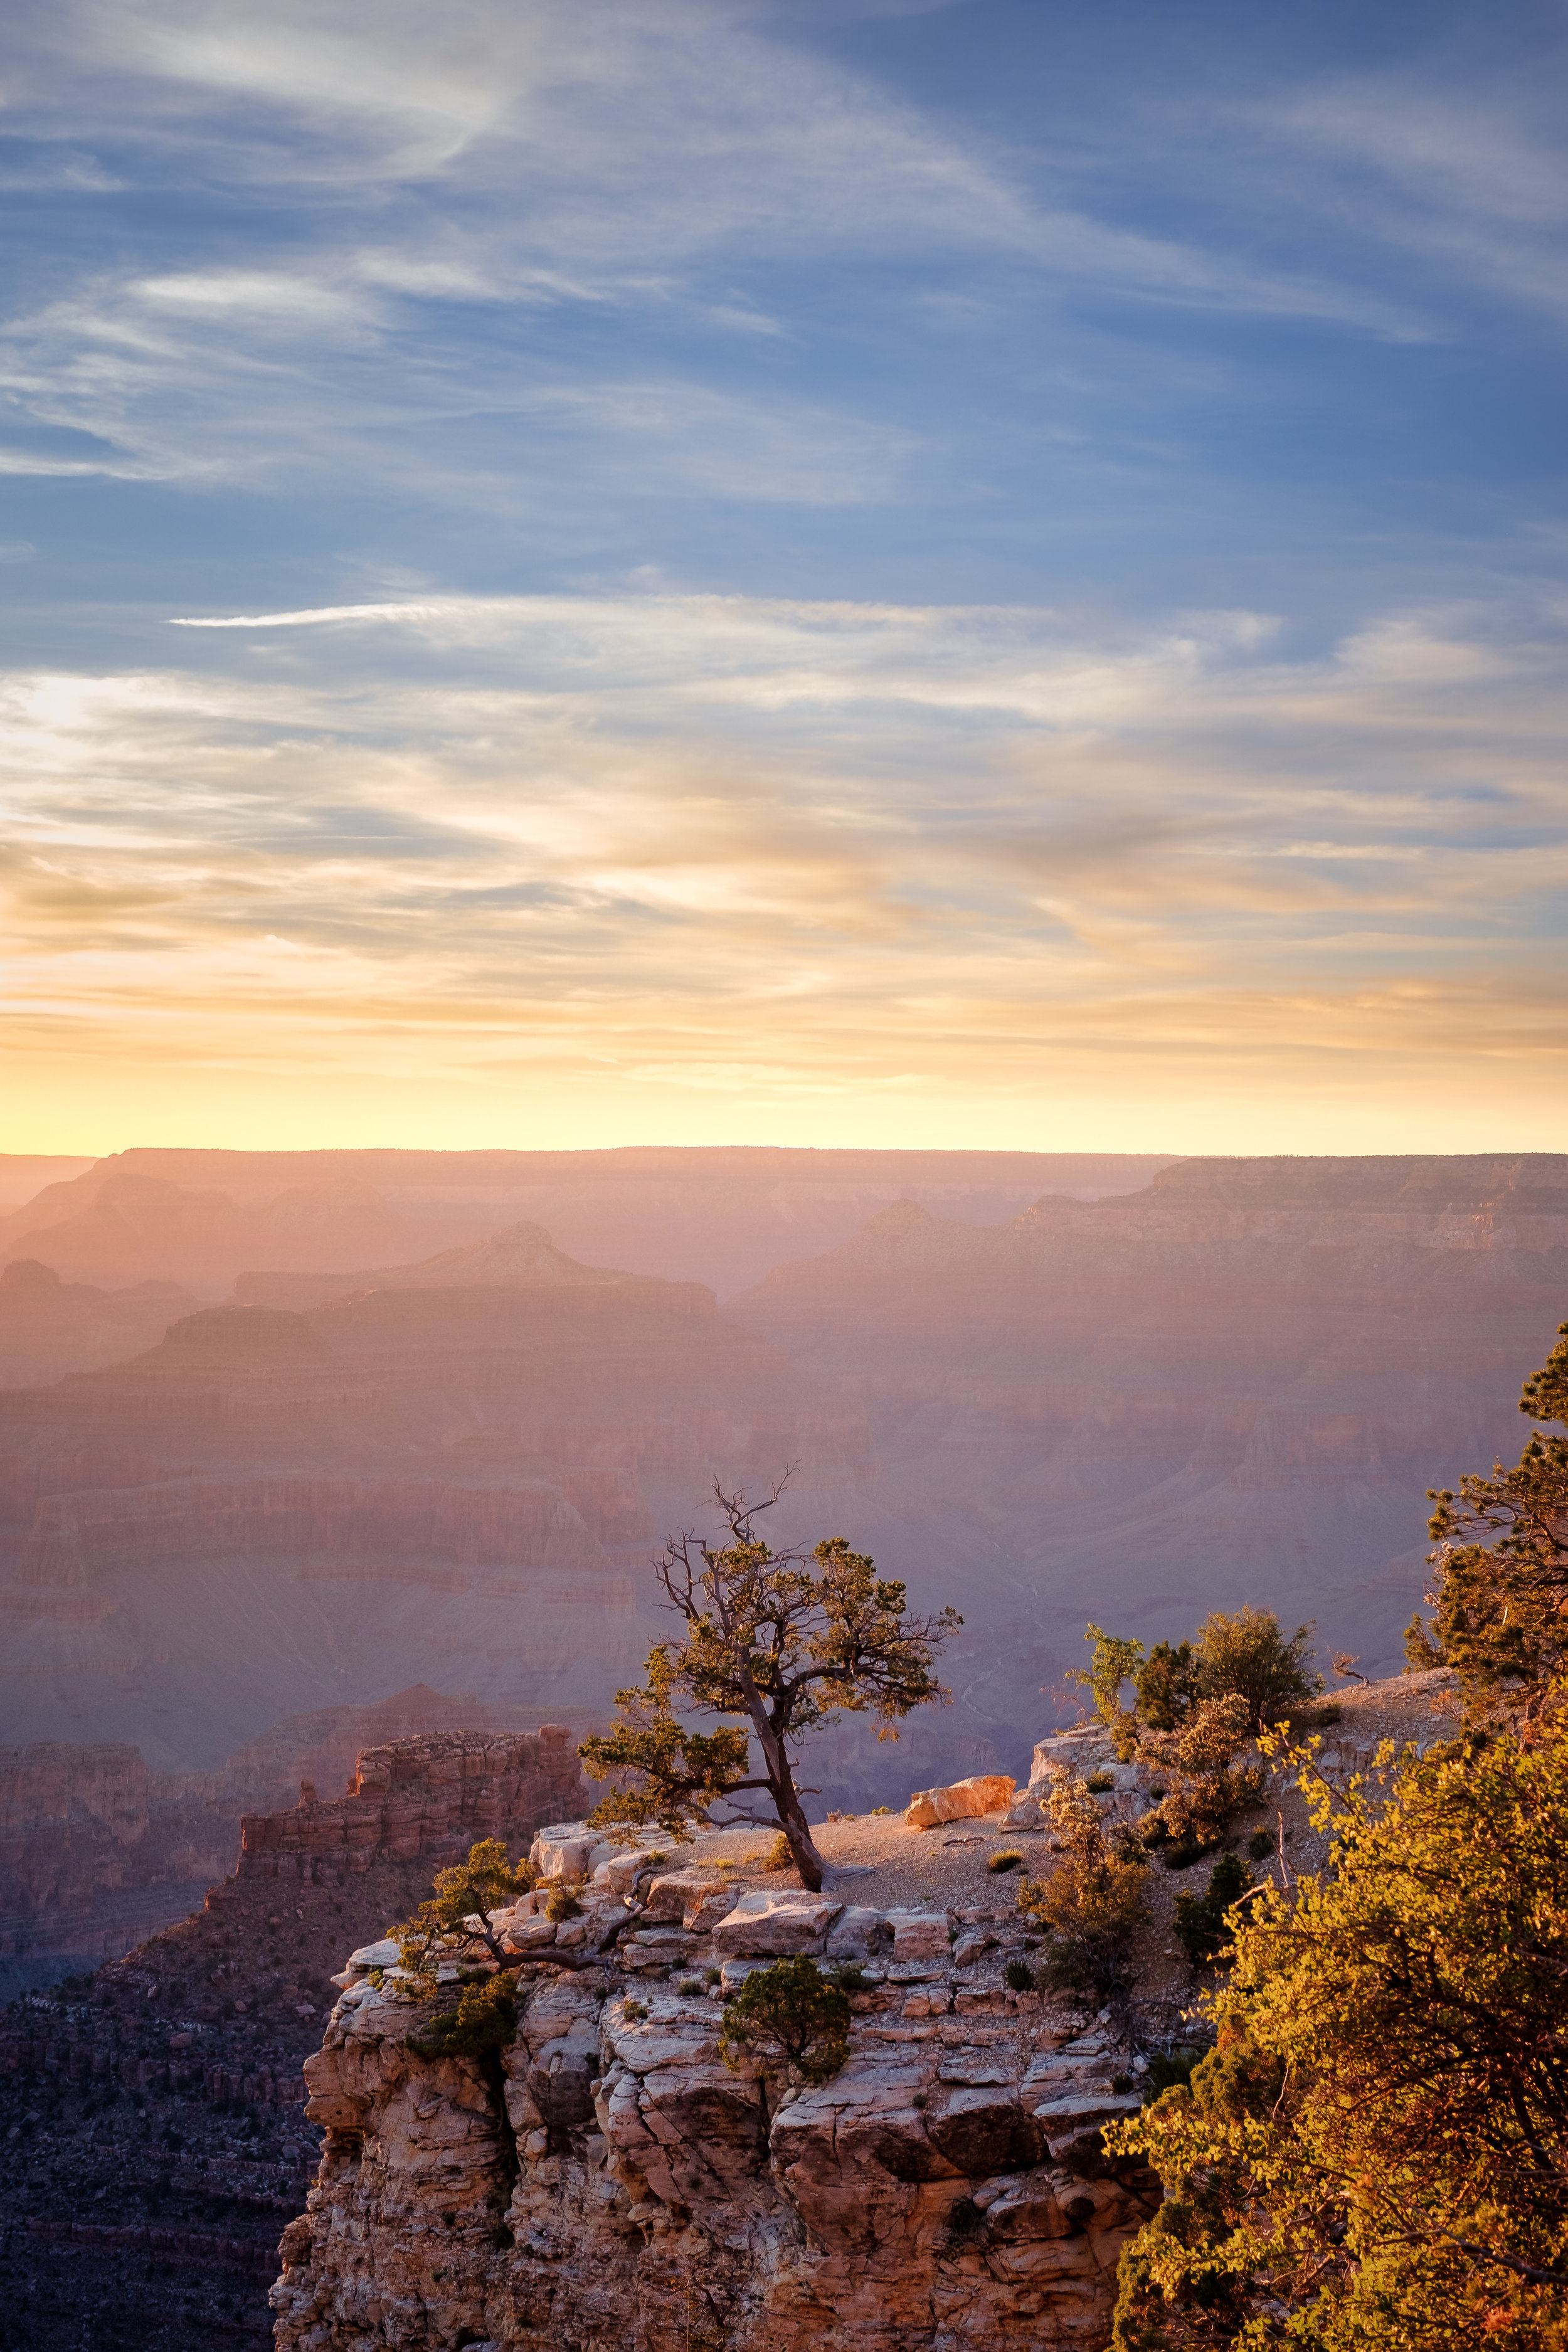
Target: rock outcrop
point(611, 2180)
point(970, 1800)
point(426, 1796)
point(97, 1852)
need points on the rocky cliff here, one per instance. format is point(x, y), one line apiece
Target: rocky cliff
point(153, 2112)
point(608, 2181)
point(947, 2187)
point(97, 1852)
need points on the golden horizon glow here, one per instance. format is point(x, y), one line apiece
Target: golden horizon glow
point(557, 872)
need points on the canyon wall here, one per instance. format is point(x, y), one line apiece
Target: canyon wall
point(153, 2114)
point(96, 1852)
point(948, 2186)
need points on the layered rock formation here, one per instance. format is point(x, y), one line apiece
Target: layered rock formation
point(948, 2186)
point(1234, 1385)
point(153, 2114)
point(429, 1796)
point(273, 1509)
point(96, 1852)
point(720, 1216)
point(49, 1328)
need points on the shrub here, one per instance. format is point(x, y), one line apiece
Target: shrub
point(484, 2019)
point(712, 1976)
point(1007, 1858)
point(1260, 1844)
point(850, 1976)
point(779, 1855)
point(690, 1984)
point(563, 1904)
point(1099, 1784)
point(1089, 1908)
point(1018, 1976)
point(1245, 1655)
point(471, 1890)
point(1204, 1791)
point(1375, 2152)
point(788, 2013)
point(880, 1809)
point(1201, 1927)
point(1166, 2069)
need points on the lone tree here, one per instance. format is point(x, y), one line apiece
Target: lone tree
point(786, 1640)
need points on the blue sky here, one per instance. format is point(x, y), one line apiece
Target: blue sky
point(873, 567)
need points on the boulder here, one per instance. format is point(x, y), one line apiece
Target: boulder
point(686, 1897)
point(982, 1793)
point(919, 1936)
point(564, 1850)
point(778, 1926)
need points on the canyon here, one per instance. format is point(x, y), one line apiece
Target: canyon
point(1228, 1380)
point(151, 2108)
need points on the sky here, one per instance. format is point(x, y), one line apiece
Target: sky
point(900, 571)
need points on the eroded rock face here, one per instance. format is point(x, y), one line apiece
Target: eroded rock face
point(608, 2180)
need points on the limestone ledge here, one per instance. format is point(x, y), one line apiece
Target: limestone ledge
point(947, 2189)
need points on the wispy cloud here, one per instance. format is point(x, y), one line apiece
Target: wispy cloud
point(574, 837)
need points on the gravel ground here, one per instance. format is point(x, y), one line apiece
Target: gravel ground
point(947, 1868)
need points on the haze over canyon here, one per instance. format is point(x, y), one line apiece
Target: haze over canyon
point(292, 1433)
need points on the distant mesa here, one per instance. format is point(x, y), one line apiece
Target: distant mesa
point(226, 1333)
point(521, 1257)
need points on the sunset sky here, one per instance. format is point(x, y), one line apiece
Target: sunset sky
point(844, 571)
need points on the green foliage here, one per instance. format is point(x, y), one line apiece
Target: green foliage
point(1007, 1857)
point(1018, 1976)
point(784, 1642)
point(1242, 1654)
point(1205, 1791)
point(1501, 1570)
point(1260, 1844)
point(563, 1904)
point(1375, 2153)
point(1112, 1663)
point(779, 1856)
point(1245, 1655)
point(485, 2020)
point(1099, 1783)
point(1166, 2069)
point(1089, 1909)
point(790, 2016)
point(1169, 1686)
point(459, 1910)
point(850, 1976)
point(1203, 1929)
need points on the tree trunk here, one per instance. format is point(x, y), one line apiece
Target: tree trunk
point(793, 1820)
point(786, 1804)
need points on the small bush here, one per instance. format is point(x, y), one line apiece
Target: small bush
point(850, 1976)
point(1008, 1858)
point(1246, 1655)
point(876, 1810)
point(485, 2019)
point(1099, 1784)
point(1018, 1977)
point(779, 1856)
point(1201, 1926)
point(712, 1976)
point(1260, 1844)
point(1121, 2085)
point(1168, 2071)
point(563, 1904)
point(919, 2100)
point(690, 1984)
point(788, 2012)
